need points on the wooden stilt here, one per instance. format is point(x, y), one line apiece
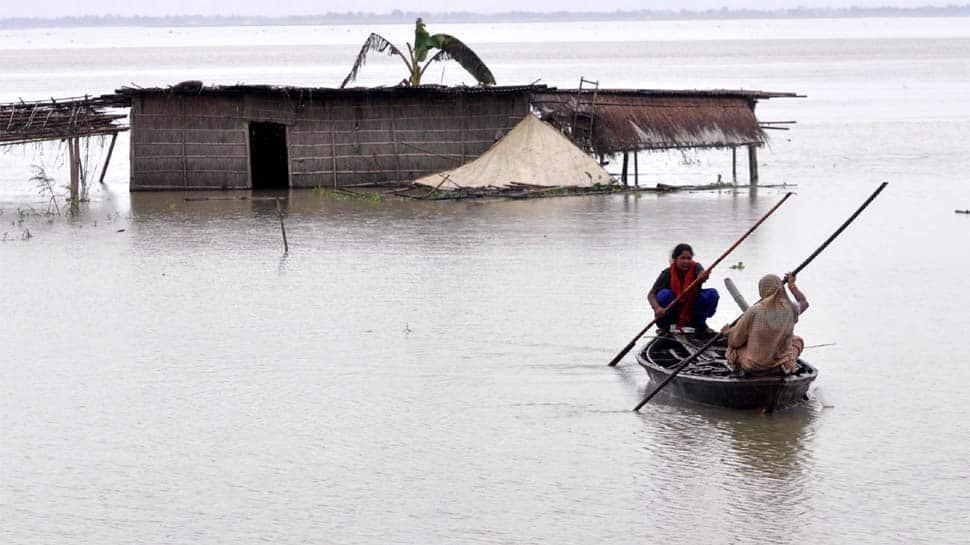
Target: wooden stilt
point(279, 212)
point(107, 159)
point(636, 169)
point(74, 159)
point(80, 165)
point(626, 161)
point(734, 165)
point(752, 165)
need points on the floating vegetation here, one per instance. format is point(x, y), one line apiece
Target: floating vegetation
point(340, 194)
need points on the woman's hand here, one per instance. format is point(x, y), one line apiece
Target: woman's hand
point(659, 313)
point(726, 329)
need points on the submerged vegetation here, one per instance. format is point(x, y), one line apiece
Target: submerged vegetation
point(45, 186)
point(322, 192)
point(449, 48)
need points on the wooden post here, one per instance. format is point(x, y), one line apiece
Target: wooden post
point(80, 164)
point(626, 161)
point(636, 169)
point(279, 212)
point(752, 165)
point(107, 160)
point(73, 159)
point(734, 165)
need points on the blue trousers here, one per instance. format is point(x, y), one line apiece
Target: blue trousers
point(705, 305)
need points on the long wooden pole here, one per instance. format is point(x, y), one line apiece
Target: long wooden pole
point(279, 212)
point(75, 171)
point(636, 170)
point(696, 281)
point(717, 337)
point(107, 160)
point(841, 228)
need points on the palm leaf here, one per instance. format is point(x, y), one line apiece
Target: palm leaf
point(423, 42)
point(453, 49)
point(375, 42)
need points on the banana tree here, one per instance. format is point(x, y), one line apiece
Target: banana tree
point(449, 48)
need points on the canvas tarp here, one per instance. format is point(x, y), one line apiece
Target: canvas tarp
point(533, 152)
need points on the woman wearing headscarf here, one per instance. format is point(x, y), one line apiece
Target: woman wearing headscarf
point(763, 340)
point(694, 308)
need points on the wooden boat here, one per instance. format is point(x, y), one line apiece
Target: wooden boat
point(710, 381)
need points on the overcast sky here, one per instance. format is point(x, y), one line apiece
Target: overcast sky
point(60, 8)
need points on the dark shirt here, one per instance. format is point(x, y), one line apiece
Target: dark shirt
point(663, 281)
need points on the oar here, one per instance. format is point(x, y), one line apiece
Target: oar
point(690, 286)
point(717, 337)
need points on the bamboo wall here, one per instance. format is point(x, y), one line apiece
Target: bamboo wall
point(200, 141)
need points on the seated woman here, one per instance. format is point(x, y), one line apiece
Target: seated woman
point(696, 307)
point(763, 341)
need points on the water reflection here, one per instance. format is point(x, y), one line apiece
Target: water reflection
point(731, 476)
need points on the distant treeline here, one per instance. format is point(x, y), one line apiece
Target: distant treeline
point(398, 16)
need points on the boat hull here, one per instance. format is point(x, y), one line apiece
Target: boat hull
point(723, 390)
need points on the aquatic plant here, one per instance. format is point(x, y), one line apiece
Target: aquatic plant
point(343, 195)
point(449, 48)
point(45, 185)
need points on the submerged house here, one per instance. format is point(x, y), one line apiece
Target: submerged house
point(263, 137)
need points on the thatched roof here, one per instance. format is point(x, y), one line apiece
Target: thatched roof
point(630, 120)
point(198, 88)
point(24, 122)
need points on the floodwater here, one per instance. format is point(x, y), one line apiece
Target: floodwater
point(417, 372)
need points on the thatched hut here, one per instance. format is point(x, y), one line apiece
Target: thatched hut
point(264, 137)
point(614, 121)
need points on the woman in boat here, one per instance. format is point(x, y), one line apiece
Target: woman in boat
point(696, 307)
point(763, 340)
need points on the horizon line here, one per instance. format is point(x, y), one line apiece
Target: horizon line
point(400, 16)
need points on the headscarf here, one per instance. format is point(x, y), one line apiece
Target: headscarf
point(765, 330)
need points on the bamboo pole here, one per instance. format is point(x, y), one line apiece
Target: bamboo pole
point(279, 212)
point(636, 169)
point(107, 160)
point(626, 162)
point(75, 175)
point(734, 165)
point(752, 165)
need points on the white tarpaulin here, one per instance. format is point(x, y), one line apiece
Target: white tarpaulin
point(533, 152)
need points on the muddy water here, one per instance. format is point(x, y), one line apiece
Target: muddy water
point(436, 372)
